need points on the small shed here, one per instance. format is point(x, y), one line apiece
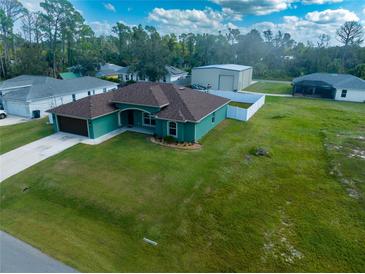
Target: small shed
point(230, 77)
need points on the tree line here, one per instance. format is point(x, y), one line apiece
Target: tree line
point(57, 38)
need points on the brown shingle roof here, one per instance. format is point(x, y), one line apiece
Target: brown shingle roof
point(176, 103)
point(88, 107)
point(148, 94)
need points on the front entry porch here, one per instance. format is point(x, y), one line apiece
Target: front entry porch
point(137, 120)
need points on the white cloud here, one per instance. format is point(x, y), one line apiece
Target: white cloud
point(264, 7)
point(320, 2)
point(101, 28)
point(331, 16)
point(311, 26)
point(189, 20)
point(31, 5)
point(109, 7)
point(257, 7)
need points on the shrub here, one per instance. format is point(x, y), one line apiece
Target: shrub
point(169, 139)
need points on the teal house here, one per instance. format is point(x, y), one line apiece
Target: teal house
point(160, 109)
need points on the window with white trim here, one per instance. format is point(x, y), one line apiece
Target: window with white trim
point(74, 97)
point(127, 77)
point(213, 117)
point(344, 93)
point(148, 120)
point(88, 93)
point(172, 129)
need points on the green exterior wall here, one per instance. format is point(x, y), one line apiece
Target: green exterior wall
point(103, 125)
point(205, 125)
point(55, 124)
point(187, 132)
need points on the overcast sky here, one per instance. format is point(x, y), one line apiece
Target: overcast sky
point(303, 19)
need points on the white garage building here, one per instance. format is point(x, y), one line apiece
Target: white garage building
point(222, 77)
point(30, 96)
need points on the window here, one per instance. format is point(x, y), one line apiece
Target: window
point(344, 93)
point(132, 77)
point(148, 120)
point(173, 129)
point(127, 77)
point(164, 79)
point(74, 97)
point(89, 93)
point(93, 92)
point(213, 117)
point(104, 90)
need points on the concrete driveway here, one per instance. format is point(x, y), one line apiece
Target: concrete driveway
point(17, 256)
point(13, 120)
point(28, 155)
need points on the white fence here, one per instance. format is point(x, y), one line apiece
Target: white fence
point(242, 114)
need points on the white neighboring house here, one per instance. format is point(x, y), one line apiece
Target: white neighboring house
point(173, 74)
point(30, 96)
point(341, 87)
point(229, 77)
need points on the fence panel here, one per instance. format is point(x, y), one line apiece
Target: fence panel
point(257, 101)
point(237, 113)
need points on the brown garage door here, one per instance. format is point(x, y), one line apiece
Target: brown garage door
point(72, 125)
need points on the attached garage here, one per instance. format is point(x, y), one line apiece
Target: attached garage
point(230, 77)
point(72, 125)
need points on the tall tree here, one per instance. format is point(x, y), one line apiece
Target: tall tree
point(55, 17)
point(350, 33)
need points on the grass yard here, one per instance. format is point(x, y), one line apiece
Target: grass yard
point(216, 209)
point(241, 105)
point(14, 136)
point(272, 88)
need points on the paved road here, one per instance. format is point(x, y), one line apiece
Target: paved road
point(17, 256)
point(28, 155)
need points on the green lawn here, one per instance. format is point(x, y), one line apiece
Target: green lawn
point(241, 105)
point(272, 88)
point(216, 209)
point(17, 135)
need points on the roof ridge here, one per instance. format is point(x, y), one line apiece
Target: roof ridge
point(184, 103)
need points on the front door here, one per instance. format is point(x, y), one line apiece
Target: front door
point(130, 118)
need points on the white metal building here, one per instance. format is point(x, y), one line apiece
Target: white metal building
point(222, 77)
point(30, 96)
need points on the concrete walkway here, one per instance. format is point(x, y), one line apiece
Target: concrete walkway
point(267, 94)
point(28, 155)
point(13, 120)
point(272, 81)
point(17, 256)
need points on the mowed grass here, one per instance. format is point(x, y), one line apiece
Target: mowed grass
point(216, 209)
point(241, 105)
point(14, 136)
point(271, 88)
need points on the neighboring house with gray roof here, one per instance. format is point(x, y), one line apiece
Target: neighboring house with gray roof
point(228, 77)
point(110, 70)
point(161, 109)
point(30, 96)
point(342, 87)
